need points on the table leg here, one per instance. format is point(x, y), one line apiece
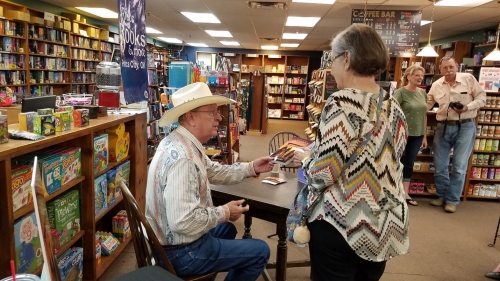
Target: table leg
point(281, 257)
point(248, 224)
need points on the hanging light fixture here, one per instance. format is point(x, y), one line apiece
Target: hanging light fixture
point(495, 54)
point(428, 51)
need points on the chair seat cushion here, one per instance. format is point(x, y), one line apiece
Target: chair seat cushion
point(148, 273)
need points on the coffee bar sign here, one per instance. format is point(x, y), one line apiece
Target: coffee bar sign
point(398, 29)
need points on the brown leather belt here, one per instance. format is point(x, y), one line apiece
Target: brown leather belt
point(455, 122)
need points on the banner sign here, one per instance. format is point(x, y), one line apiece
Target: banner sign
point(133, 47)
point(399, 29)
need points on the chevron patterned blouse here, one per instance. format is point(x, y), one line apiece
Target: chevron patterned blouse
point(367, 203)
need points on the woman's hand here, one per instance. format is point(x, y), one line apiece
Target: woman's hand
point(300, 154)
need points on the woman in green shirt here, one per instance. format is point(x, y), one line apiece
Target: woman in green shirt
point(413, 101)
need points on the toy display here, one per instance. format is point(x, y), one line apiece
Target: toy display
point(21, 183)
point(108, 243)
point(64, 218)
point(4, 129)
point(80, 117)
point(118, 142)
point(71, 265)
point(121, 227)
point(119, 173)
point(101, 190)
point(26, 121)
point(27, 243)
point(44, 125)
point(100, 153)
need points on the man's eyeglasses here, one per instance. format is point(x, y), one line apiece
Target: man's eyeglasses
point(213, 113)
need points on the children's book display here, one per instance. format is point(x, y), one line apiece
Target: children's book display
point(284, 154)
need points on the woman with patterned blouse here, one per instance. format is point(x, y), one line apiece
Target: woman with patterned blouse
point(413, 101)
point(361, 221)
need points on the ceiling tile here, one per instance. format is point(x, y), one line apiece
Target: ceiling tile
point(227, 7)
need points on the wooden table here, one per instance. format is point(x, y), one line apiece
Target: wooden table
point(267, 202)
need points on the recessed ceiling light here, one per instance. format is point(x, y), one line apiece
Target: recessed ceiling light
point(153, 31)
point(197, 44)
point(461, 3)
point(219, 33)
point(229, 43)
point(201, 17)
point(302, 21)
point(269, 47)
point(289, 45)
point(315, 1)
point(170, 40)
point(100, 12)
point(424, 22)
point(294, 35)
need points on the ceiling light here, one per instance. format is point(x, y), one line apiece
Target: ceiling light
point(153, 31)
point(229, 43)
point(170, 40)
point(495, 54)
point(100, 12)
point(424, 22)
point(302, 21)
point(428, 51)
point(462, 3)
point(197, 45)
point(294, 35)
point(314, 1)
point(267, 5)
point(289, 45)
point(201, 17)
point(219, 33)
point(269, 47)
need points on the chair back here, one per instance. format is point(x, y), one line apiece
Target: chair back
point(277, 141)
point(148, 250)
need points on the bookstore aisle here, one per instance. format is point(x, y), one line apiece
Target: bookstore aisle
point(444, 247)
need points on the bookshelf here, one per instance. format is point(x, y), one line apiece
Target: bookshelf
point(77, 137)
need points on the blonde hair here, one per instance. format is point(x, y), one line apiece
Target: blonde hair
point(409, 72)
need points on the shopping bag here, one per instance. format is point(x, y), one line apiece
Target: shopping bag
point(296, 215)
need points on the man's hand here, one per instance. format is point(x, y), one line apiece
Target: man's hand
point(424, 143)
point(464, 109)
point(235, 209)
point(263, 164)
point(298, 155)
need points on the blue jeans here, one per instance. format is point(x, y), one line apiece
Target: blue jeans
point(450, 187)
point(218, 250)
point(411, 151)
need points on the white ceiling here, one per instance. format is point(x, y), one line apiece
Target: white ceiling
point(248, 26)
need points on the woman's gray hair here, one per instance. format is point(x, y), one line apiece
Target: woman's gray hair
point(368, 55)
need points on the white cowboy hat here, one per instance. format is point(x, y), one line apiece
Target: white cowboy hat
point(190, 97)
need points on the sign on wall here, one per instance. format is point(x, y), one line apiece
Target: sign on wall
point(133, 44)
point(398, 29)
point(489, 79)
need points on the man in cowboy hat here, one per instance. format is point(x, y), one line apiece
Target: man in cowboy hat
point(197, 236)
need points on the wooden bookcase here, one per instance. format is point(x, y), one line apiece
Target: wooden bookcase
point(83, 138)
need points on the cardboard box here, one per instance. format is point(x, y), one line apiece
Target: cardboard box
point(105, 27)
point(16, 15)
point(71, 16)
point(26, 121)
point(21, 186)
point(36, 20)
point(70, 265)
point(84, 20)
point(64, 218)
point(1, 11)
point(121, 227)
point(67, 25)
point(48, 23)
point(44, 125)
point(27, 245)
point(90, 31)
point(104, 34)
point(58, 18)
point(75, 27)
point(58, 25)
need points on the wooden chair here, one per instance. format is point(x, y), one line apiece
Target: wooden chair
point(277, 141)
point(148, 249)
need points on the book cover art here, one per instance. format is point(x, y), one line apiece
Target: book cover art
point(120, 173)
point(284, 155)
point(44, 125)
point(100, 153)
point(7, 44)
point(27, 244)
point(64, 218)
point(26, 121)
point(52, 173)
point(273, 180)
point(72, 164)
